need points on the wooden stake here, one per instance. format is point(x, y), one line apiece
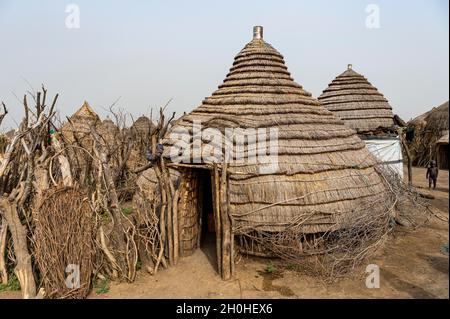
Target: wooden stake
point(23, 268)
point(3, 233)
point(408, 156)
point(232, 265)
point(226, 227)
point(216, 204)
point(176, 238)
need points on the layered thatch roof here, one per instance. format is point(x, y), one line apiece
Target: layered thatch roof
point(435, 119)
point(429, 128)
point(108, 130)
point(443, 139)
point(143, 125)
point(324, 166)
point(351, 97)
point(80, 122)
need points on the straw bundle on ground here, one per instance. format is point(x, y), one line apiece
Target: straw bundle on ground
point(324, 170)
point(352, 98)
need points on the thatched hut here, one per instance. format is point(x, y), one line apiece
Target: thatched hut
point(108, 130)
point(428, 142)
point(143, 125)
point(321, 168)
point(140, 130)
point(79, 124)
point(352, 98)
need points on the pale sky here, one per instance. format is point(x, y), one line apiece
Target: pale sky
point(147, 52)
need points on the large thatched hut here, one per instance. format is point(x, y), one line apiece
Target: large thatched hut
point(315, 166)
point(352, 98)
point(430, 131)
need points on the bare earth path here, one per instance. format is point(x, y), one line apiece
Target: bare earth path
point(412, 265)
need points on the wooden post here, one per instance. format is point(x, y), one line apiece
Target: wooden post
point(3, 233)
point(176, 238)
point(231, 227)
point(23, 268)
point(408, 156)
point(216, 202)
point(226, 227)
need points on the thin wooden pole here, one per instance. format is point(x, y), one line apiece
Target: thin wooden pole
point(226, 227)
point(176, 238)
point(408, 156)
point(217, 220)
point(232, 265)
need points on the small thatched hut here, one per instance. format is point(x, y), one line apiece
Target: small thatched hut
point(352, 98)
point(79, 124)
point(78, 128)
point(141, 131)
point(428, 141)
point(321, 168)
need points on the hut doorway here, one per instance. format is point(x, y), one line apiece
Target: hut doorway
point(442, 156)
point(206, 217)
point(196, 214)
point(202, 223)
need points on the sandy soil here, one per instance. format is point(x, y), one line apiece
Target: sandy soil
point(412, 265)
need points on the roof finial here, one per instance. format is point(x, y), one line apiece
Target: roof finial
point(257, 32)
point(349, 66)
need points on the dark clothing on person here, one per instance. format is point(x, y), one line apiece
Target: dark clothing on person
point(432, 174)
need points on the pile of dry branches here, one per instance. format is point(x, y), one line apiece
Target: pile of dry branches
point(64, 200)
point(339, 252)
point(23, 179)
point(63, 243)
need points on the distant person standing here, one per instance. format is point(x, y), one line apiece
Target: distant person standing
point(432, 174)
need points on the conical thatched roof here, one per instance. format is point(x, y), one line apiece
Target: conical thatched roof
point(108, 130)
point(82, 120)
point(436, 118)
point(428, 129)
point(143, 125)
point(352, 98)
point(324, 166)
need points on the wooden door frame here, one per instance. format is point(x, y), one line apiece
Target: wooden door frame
point(222, 219)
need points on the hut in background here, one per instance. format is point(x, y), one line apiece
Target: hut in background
point(141, 132)
point(78, 130)
point(322, 169)
point(79, 124)
point(429, 140)
point(352, 98)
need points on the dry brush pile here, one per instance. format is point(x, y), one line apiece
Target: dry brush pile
point(350, 242)
point(61, 221)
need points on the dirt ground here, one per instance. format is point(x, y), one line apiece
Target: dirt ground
point(413, 264)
